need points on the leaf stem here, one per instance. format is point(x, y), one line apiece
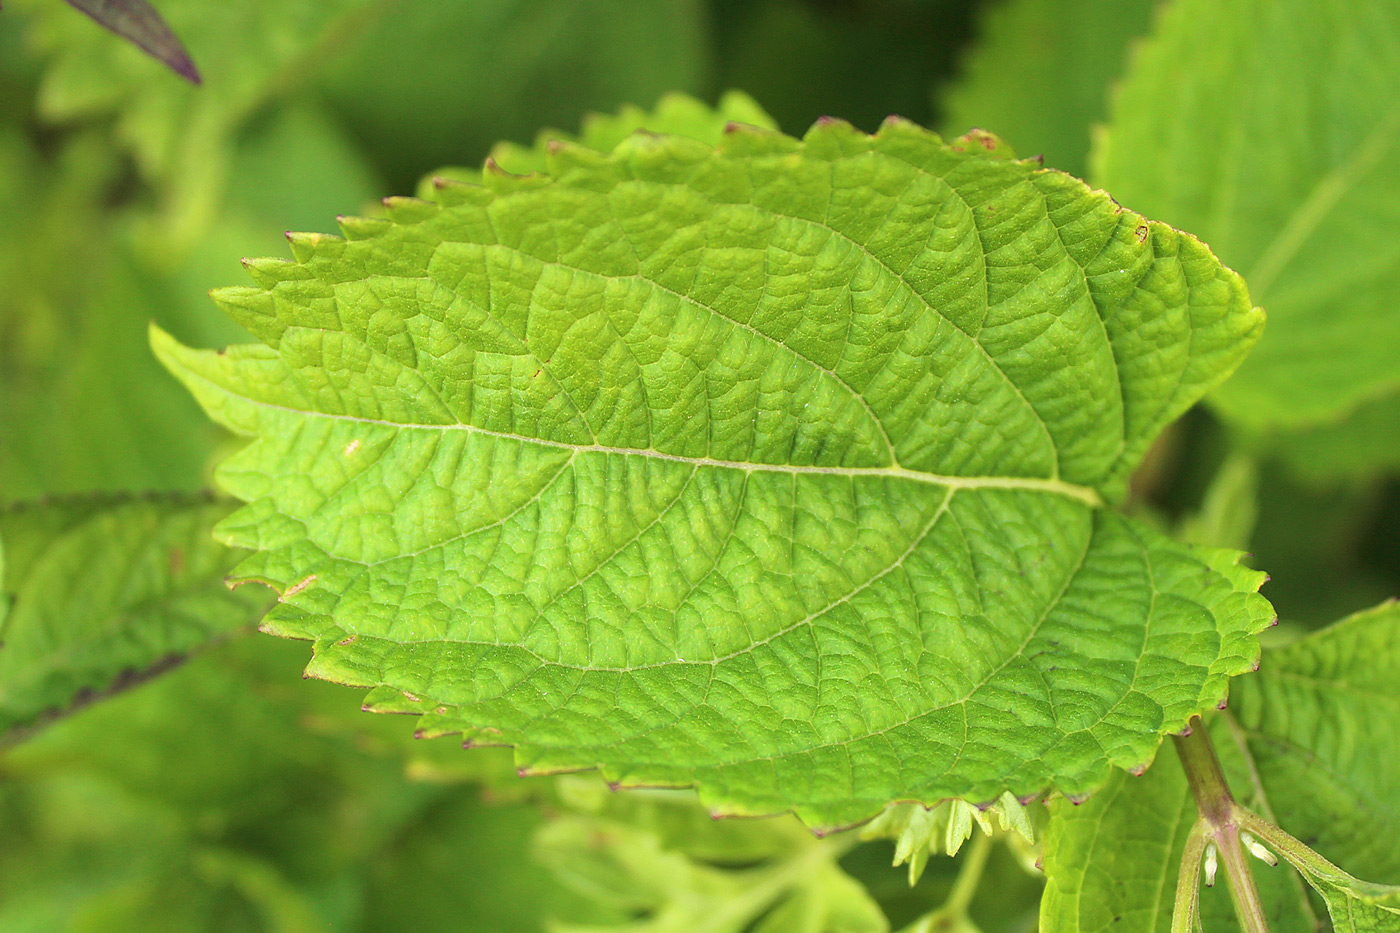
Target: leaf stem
point(969, 874)
point(1220, 819)
point(952, 913)
point(1188, 882)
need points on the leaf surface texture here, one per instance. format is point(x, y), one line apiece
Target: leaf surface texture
point(775, 468)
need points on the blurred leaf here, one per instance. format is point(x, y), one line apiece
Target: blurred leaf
point(1314, 541)
point(87, 407)
point(250, 52)
point(94, 411)
point(658, 857)
point(437, 82)
point(1269, 128)
point(229, 795)
point(103, 592)
point(415, 881)
point(860, 60)
point(1359, 446)
point(139, 22)
point(1040, 73)
point(1229, 508)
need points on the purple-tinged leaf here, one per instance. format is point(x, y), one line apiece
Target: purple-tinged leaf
point(138, 21)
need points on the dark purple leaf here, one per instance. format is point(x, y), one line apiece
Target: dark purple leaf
point(138, 21)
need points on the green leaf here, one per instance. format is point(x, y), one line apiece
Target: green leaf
point(1040, 72)
point(104, 592)
point(1359, 908)
point(1269, 128)
point(773, 469)
point(1321, 721)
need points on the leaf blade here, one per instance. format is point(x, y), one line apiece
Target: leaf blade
point(681, 528)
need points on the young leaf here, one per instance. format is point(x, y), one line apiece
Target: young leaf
point(774, 468)
point(1270, 129)
point(103, 592)
point(1041, 70)
point(919, 832)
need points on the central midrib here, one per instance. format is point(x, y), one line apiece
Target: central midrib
point(1083, 494)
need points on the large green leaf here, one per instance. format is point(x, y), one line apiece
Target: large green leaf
point(1310, 742)
point(1269, 128)
point(775, 469)
point(104, 591)
point(1040, 73)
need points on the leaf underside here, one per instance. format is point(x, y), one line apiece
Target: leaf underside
point(773, 468)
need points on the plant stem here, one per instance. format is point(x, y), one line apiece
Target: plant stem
point(951, 915)
point(969, 874)
point(1219, 813)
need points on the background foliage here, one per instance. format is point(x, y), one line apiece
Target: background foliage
point(227, 794)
